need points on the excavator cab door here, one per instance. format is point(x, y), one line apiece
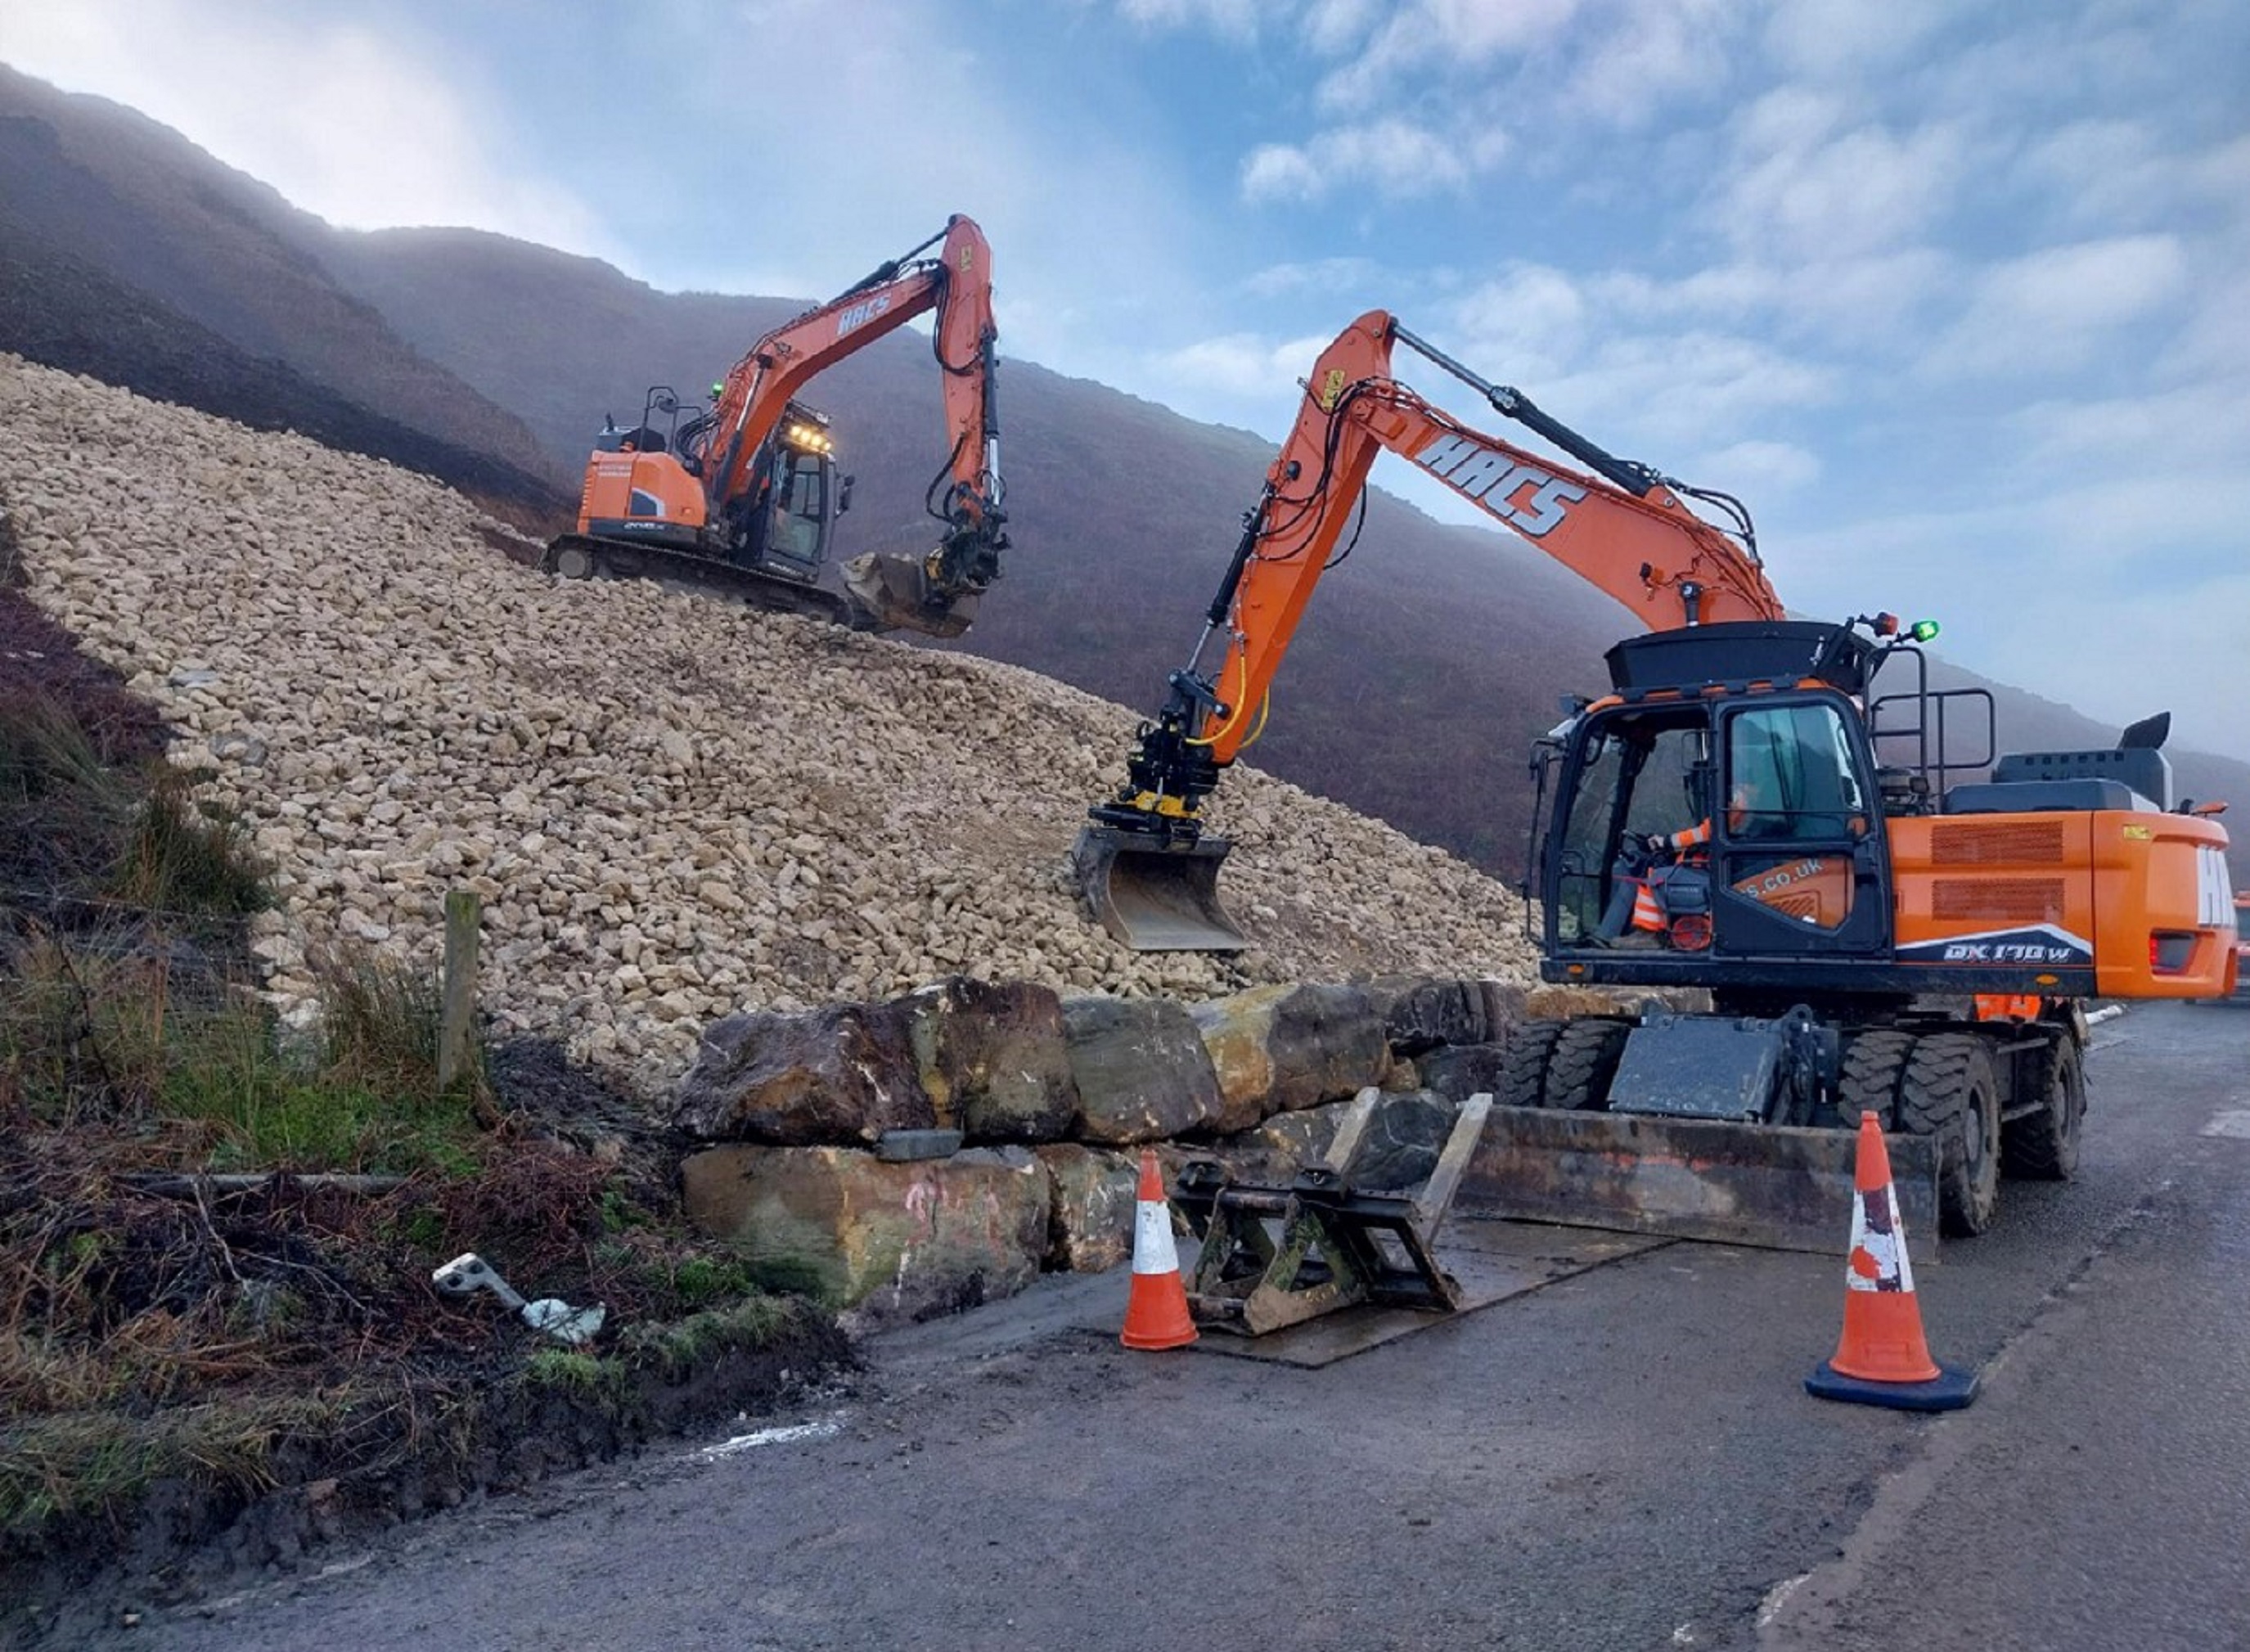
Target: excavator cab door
point(798, 514)
point(1799, 862)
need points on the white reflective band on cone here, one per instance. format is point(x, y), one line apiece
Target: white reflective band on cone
point(1152, 1240)
point(1893, 1268)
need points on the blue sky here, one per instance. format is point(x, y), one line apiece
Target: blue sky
point(1955, 294)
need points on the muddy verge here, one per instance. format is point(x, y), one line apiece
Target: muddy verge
point(192, 1538)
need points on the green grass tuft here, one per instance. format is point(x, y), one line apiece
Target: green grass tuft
point(701, 1339)
point(184, 857)
point(87, 1462)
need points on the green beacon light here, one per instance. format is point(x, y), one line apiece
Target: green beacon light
point(1922, 630)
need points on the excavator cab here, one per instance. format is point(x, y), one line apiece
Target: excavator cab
point(784, 521)
point(1718, 817)
point(1692, 830)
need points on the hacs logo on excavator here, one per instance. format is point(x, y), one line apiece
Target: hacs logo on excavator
point(1494, 480)
point(860, 314)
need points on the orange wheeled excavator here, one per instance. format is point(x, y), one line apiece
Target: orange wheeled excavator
point(1741, 813)
point(743, 497)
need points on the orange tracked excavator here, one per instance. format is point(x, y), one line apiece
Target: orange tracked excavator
point(743, 497)
point(1741, 813)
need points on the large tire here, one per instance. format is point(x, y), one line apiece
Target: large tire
point(1524, 1064)
point(1873, 1064)
point(1585, 1061)
point(2043, 1146)
point(1950, 1091)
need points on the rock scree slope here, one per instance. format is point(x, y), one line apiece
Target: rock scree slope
point(673, 807)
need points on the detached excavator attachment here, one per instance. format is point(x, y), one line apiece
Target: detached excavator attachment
point(894, 593)
point(1273, 1257)
point(1775, 1187)
point(1152, 898)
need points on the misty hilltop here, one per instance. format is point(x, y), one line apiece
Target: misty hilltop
point(1425, 666)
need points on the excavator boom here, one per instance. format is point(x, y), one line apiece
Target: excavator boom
point(1146, 871)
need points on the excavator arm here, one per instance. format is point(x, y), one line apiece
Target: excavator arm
point(938, 593)
point(1147, 868)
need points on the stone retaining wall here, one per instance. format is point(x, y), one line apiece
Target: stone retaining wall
point(1050, 1099)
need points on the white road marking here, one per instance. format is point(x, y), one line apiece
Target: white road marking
point(2235, 1125)
point(769, 1437)
point(1777, 1596)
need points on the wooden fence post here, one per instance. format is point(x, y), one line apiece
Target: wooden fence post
point(457, 1022)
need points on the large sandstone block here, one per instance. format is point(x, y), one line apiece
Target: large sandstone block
point(1090, 1222)
point(1399, 1148)
point(1140, 1068)
point(1503, 1006)
point(895, 1242)
point(843, 1074)
point(1421, 1013)
point(1284, 1048)
point(994, 1058)
point(1558, 1003)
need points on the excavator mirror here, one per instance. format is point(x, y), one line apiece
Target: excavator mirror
point(844, 493)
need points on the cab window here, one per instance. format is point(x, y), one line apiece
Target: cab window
point(1789, 775)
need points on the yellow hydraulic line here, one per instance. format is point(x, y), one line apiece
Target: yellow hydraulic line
point(1219, 733)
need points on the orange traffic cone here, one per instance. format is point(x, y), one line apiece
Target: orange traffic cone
point(1156, 1316)
point(1882, 1358)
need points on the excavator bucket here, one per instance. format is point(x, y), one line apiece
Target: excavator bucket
point(1774, 1186)
point(1155, 899)
point(893, 593)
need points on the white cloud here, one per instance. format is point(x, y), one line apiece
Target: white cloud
point(1243, 365)
point(1318, 275)
point(1529, 324)
point(1849, 303)
point(1236, 19)
point(1850, 39)
point(1419, 40)
point(1636, 63)
point(1281, 172)
point(2051, 310)
point(1395, 157)
point(1757, 470)
point(364, 129)
point(1681, 391)
point(1806, 186)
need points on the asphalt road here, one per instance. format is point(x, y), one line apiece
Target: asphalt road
point(1625, 1460)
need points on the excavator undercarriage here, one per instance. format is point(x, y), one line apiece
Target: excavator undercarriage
point(881, 593)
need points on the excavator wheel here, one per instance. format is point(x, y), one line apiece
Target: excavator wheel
point(1584, 1062)
point(1950, 1091)
point(1524, 1064)
point(2042, 1145)
point(572, 561)
point(1873, 1063)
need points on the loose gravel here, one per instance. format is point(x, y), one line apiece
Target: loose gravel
point(673, 807)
